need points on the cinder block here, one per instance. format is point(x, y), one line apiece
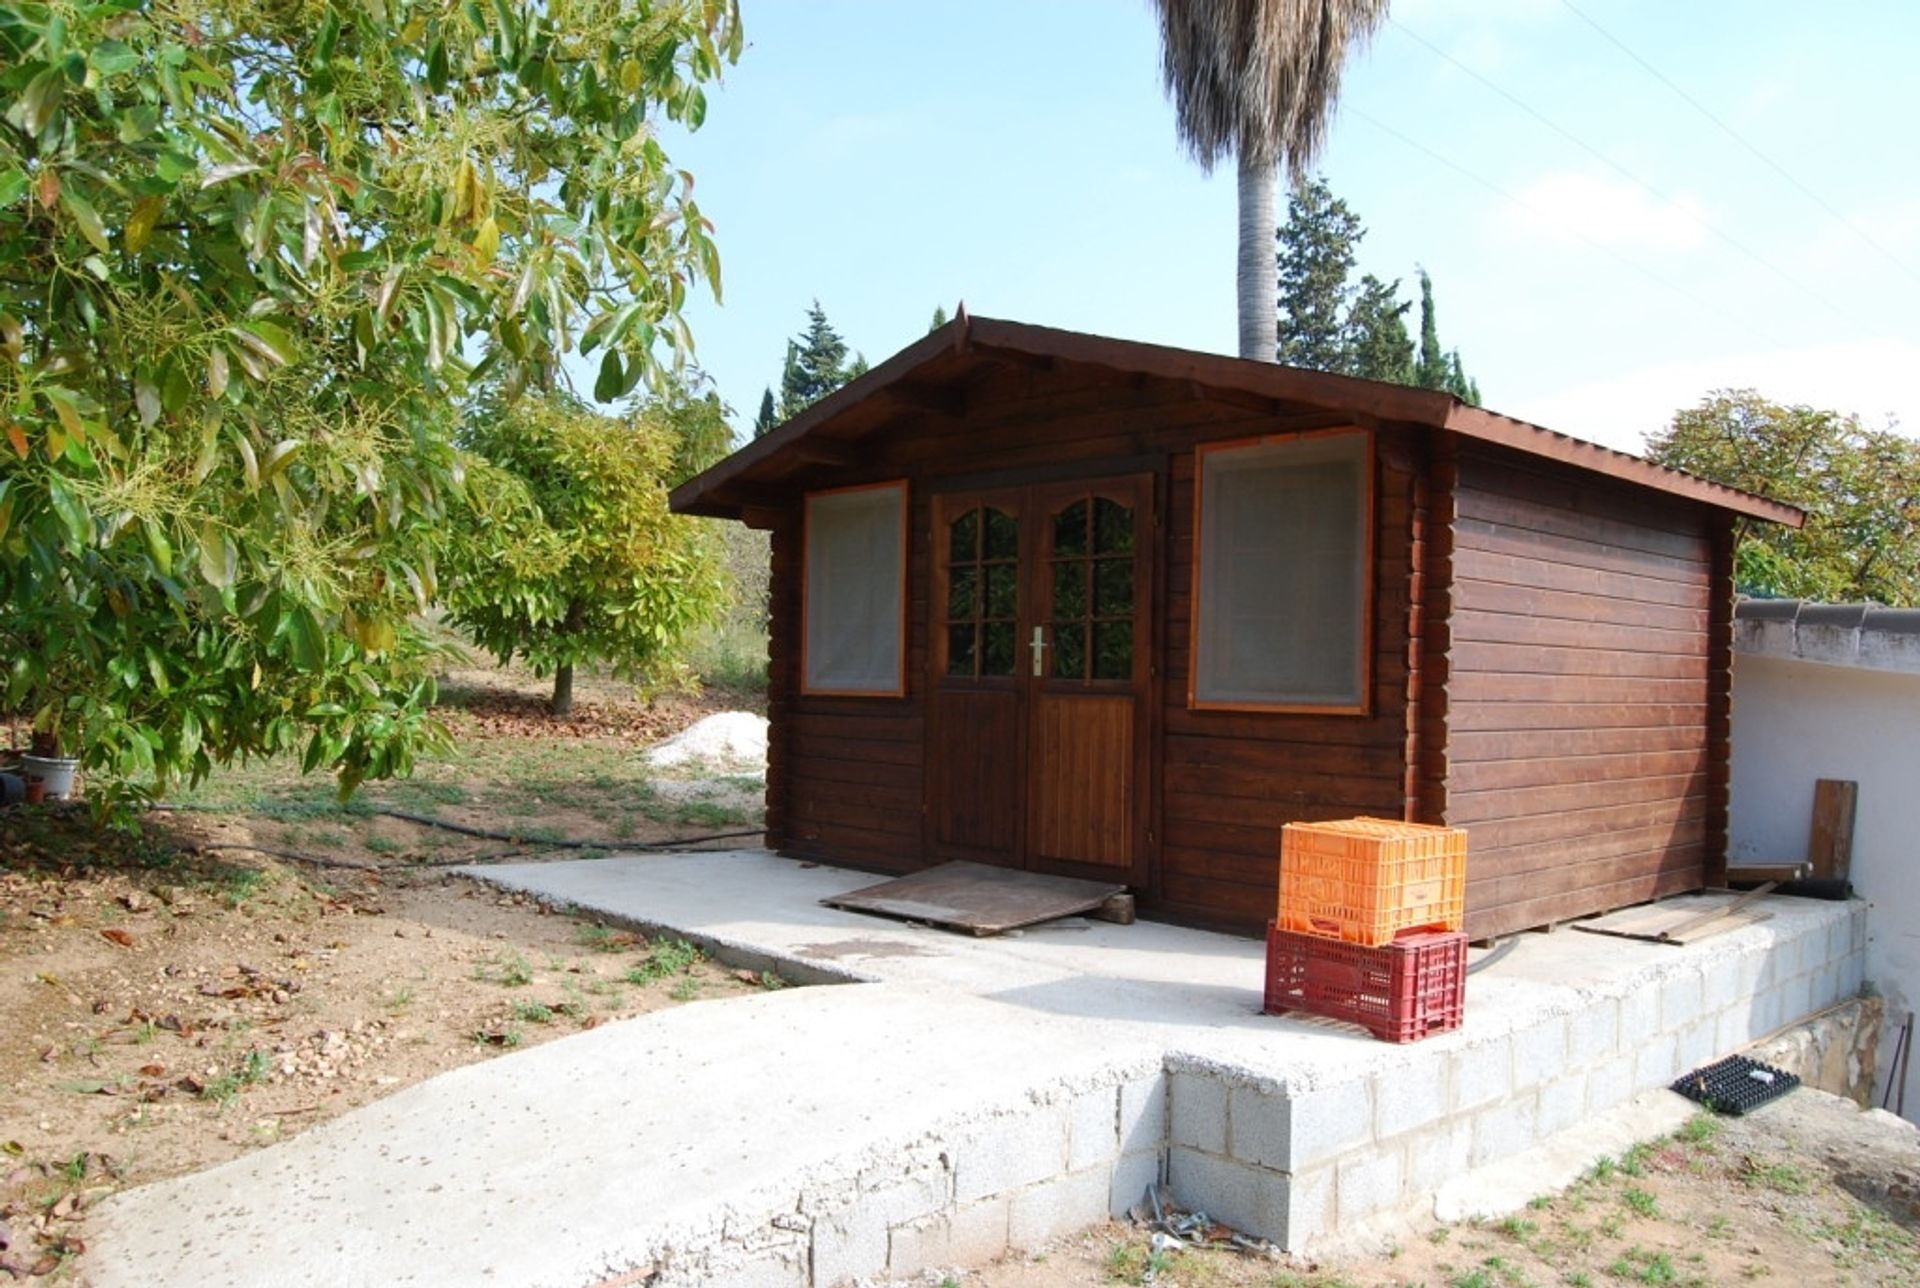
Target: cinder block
point(1010, 1150)
point(1131, 1177)
point(1409, 1100)
point(1482, 1074)
point(1143, 1115)
point(1074, 1202)
point(1593, 1031)
point(1828, 987)
point(1857, 929)
point(1694, 1045)
point(1655, 1063)
point(1370, 1181)
point(1438, 1154)
point(1199, 1111)
point(1835, 942)
point(1721, 984)
point(1680, 1001)
point(782, 1265)
point(921, 1192)
point(917, 1245)
point(1767, 1008)
point(977, 1232)
point(1734, 1028)
point(1610, 1082)
point(1093, 1134)
point(1561, 1104)
point(1639, 1015)
point(1251, 1199)
point(1310, 1207)
point(1325, 1122)
point(1504, 1130)
point(1540, 1053)
point(849, 1245)
point(1796, 999)
point(1854, 974)
point(1259, 1128)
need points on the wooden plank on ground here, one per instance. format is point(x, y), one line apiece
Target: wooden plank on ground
point(978, 898)
point(1830, 842)
point(1685, 919)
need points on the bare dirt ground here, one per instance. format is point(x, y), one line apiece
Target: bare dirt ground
point(174, 999)
point(1796, 1194)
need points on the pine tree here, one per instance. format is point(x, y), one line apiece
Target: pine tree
point(1315, 258)
point(1458, 384)
point(939, 318)
point(767, 418)
point(1430, 371)
point(816, 365)
point(1376, 344)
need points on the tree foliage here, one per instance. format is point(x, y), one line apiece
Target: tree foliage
point(1327, 323)
point(574, 556)
point(249, 254)
point(1859, 486)
point(817, 363)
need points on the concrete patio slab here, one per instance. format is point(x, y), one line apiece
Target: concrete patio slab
point(961, 1097)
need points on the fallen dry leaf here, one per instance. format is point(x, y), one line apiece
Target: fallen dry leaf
point(113, 934)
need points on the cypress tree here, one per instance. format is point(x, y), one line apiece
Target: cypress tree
point(939, 318)
point(1315, 257)
point(766, 420)
point(1376, 343)
point(816, 365)
point(1430, 371)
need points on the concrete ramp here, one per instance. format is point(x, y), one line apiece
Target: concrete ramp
point(752, 1140)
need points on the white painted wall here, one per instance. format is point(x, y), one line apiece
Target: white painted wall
point(1795, 721)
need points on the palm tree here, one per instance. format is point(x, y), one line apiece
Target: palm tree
point(1258, 79)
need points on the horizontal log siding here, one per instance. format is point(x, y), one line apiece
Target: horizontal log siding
point(1579, 695)
point(1231, 780)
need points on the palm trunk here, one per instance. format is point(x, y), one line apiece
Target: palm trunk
point(1259, 324)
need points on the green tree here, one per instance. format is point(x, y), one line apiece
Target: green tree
point(1375, 344)
point(1257, 80)
point(1430, 368)
point(578, 558)
point(1859, 486)
point(253, 252)
point(768, 417)
point(1316, 258)
point(939, 318)
point(817, 364)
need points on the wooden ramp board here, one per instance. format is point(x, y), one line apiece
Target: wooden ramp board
point(1682, 920)
point(977, 898)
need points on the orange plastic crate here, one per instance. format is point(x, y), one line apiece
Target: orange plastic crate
point(1370, 880)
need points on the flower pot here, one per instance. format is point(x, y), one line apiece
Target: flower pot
point(53, 773)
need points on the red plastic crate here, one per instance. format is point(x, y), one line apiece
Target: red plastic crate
point(1370, 880)
point(1399, 992)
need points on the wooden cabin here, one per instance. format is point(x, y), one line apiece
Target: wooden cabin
point(1085, 606)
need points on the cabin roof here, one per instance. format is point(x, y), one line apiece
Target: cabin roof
point(931, 375)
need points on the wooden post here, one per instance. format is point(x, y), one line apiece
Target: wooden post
point(1830, 843)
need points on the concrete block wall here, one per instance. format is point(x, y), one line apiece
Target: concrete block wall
point(1292, 1163)
point(1282, 1157)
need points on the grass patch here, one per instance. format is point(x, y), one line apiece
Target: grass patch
point(665, 958)
point(253, 1068)
point(1637, 1265)
point(1640, 1202)
point(1783, 1178)
point(509, 970)
point(1701, 1129)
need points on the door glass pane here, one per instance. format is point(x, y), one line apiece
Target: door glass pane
point(1070, 530)
point(962, 585)
point(1001, 582)
point(1070, 652)
point(1113, 588)
point(960, 650)
point(1113, 650)
point(1112, 528)
point(1003, 536)
point(964, 542)
point(1069, 589)
point(996, 651)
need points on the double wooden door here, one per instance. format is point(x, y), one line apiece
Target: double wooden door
point(1040, 664)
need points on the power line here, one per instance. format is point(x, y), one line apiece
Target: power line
point(1807, 192)
point(1709, 305)
point(1624, 173)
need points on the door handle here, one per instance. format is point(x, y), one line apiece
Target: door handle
point(1039, 647)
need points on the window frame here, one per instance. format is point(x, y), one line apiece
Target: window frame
point(1369, 486)
point(806, 687)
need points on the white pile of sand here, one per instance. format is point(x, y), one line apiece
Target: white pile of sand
point(731, 742)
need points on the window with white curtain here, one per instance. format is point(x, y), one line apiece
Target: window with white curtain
point(855, 594)
point(1281, 582)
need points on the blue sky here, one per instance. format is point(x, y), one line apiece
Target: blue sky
point(1597, 269)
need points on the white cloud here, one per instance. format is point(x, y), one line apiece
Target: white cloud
point(1571, 208)
point(1877, 379)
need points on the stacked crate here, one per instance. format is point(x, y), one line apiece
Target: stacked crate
point(1369, 926)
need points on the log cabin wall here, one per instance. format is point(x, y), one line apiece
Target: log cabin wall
point(846, 776)
point(1585, 707)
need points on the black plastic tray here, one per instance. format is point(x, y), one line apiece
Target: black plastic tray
point(1736, 1085)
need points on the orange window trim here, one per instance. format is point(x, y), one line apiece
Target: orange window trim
point(899, 689)
point(1370, 471)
